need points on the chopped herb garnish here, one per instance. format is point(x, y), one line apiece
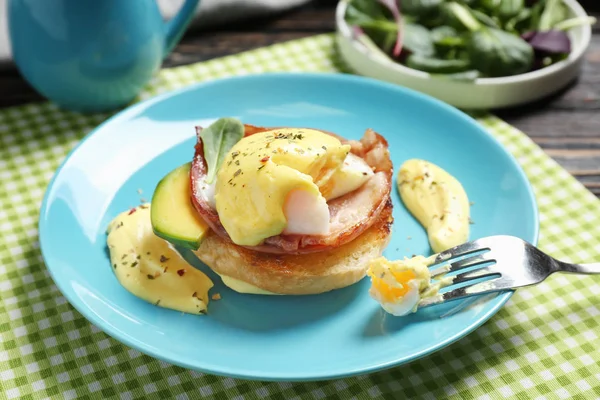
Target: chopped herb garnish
point(324, 148)
point(163, 258)
point(471, 222)
point(124, 263)
point(115, 266)
point(195, 294)
point(364, 173)
point(261, 167)
point(157, 302)
point(235, 154)
point(237, 162)
point(236, 173)
point(471, 203)
point(147, 253)
point(133, 264)
point(138, 257)
point(165, 270)
point(150, 276)
point(124, 255)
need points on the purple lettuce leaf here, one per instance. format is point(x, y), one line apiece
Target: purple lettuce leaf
point(548, 42)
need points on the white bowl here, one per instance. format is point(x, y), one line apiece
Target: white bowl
point(483, 93)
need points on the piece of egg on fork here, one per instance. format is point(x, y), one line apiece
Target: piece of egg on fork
point(398, 285)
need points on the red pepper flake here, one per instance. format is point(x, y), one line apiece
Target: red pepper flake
point(163, 258)
point(216, 296)
point(195, 294)
point(132, 211)
point(180, 272)
point(265, 159)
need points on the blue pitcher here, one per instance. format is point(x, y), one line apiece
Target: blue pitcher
point(92, 55)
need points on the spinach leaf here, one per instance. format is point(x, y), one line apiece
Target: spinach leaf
point(421, 8)
point(536, 13)
point(442, 32)
point(485, 19)
point(554, 12)
point(573, 22)
point(447, 42)
point(498, 53)
point(519, 22)
point(490, 5)
point(510, 8)
point(436, 65)
point(217, 139)
point(460, 17)
point(417, 40)
point(361, 12)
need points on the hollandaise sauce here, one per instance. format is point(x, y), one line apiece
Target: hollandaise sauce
point(150, 268)
point(268, 178)
point(437, 200)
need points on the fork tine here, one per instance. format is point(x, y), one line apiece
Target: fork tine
point(463, 250)
point(471, 262)
point(442, 269)
point(478, 273)
point(492, 285)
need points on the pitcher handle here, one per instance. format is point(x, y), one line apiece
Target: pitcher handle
point(176, 26)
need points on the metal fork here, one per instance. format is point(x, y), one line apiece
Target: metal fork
point(514, 263)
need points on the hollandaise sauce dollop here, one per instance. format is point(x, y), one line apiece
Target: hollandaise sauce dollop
point(437, 200)
point(150, 268)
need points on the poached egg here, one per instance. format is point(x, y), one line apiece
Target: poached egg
point(279, 182)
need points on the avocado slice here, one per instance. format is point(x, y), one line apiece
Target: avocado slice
point(172, 213)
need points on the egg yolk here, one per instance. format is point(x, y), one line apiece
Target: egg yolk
point(390, 293)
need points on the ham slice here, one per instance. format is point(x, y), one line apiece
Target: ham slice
point(350, 215)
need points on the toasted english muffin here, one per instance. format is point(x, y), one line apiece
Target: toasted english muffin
point(293, 274)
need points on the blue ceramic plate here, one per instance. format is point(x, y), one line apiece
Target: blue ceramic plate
point(336, 334)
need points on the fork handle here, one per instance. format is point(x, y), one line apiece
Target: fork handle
point(593, 268)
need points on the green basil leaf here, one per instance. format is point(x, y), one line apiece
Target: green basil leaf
point(217, 139)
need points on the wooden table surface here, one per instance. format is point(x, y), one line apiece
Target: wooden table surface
point(566, 126)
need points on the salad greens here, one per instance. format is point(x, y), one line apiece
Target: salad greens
point(466, 39)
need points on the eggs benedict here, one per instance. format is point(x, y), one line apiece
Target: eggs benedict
point(280, 210)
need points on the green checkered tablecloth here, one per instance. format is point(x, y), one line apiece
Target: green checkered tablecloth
point(543, 344)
